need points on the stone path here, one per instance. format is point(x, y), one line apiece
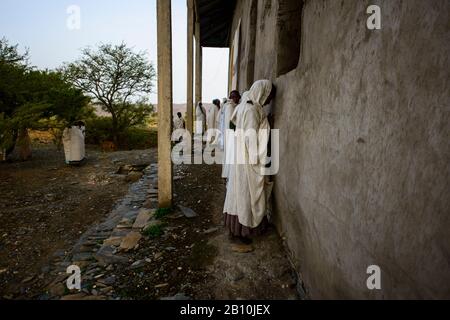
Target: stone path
point(107, 244)
point(141, 253)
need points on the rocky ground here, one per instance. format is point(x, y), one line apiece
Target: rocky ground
point(134, 251)
point(45, 206)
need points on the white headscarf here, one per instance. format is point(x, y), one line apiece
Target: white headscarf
point(259, 92)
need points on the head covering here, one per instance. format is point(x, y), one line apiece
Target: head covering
point(201, 108)
point(259, 92)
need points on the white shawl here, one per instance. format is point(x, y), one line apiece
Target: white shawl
point(248, 189)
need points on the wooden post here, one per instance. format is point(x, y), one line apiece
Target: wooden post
point(190, 67)
point(165, 100)
point(198, 64)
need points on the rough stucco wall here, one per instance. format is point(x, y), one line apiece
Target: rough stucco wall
point(265, 53)
point(364, 173)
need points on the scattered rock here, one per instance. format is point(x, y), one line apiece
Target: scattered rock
point(152, 224)
point(94, 298)
point(142, 219)
point(74, 297)
point(82, 264)
point(106, 290)
point(57, 289)
point(113, 241)
point(28, 279)
point(188, 213)
point(178, 297)
point(130, 241)
point(211, 230)
point(108, 281)
point(138, 264)
point(106, 256)
point(134, 176)
point(82, 256)
point(176, 216)
point(123, 169)
point(242, 248)
point(125, 224)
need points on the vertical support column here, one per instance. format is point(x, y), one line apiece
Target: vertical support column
point(190, 67)
point(198, 64)
point(165, 99)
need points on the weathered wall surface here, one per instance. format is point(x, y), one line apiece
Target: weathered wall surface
point(365, 153)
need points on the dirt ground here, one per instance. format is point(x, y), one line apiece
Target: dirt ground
point(194, 258)
point(46, 205)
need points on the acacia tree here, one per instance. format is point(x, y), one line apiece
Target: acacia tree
point(115, 77)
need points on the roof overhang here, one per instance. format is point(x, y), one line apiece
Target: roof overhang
point(216, 17)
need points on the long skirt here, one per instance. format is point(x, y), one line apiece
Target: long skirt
point(238, 230)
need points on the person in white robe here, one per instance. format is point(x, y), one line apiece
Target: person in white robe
point(226, 137)
point(200, 119)
point(178, 122)
point(211, 118)
point(248, 189)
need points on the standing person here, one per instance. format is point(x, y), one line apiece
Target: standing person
point(200, 118)
point(211, 121)
point(226, 140)
point(179, 124)
point(248, 189)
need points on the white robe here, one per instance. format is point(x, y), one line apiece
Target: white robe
point(74, 145)
point(200, 120)
point(248, 190)
point(211, 118)
point(178, 123)
point(226, 141)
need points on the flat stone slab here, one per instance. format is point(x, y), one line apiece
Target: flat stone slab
point(242, 248)
point(130, 241)
point(188, 213)
point(113, 241)
point(106, 256)
point(142, 219)
point(125, 224)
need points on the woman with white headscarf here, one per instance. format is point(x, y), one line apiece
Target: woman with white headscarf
point(200, 119)
point(248, 188)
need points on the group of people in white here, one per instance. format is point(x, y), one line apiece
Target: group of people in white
point(246, 209)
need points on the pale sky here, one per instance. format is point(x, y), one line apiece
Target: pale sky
point(41, 25)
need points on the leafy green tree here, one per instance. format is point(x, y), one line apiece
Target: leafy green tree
point(118, 79)
point(33, 99)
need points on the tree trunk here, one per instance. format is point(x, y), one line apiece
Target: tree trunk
point(115, 130)
point(11, 148)
point(24, 145)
